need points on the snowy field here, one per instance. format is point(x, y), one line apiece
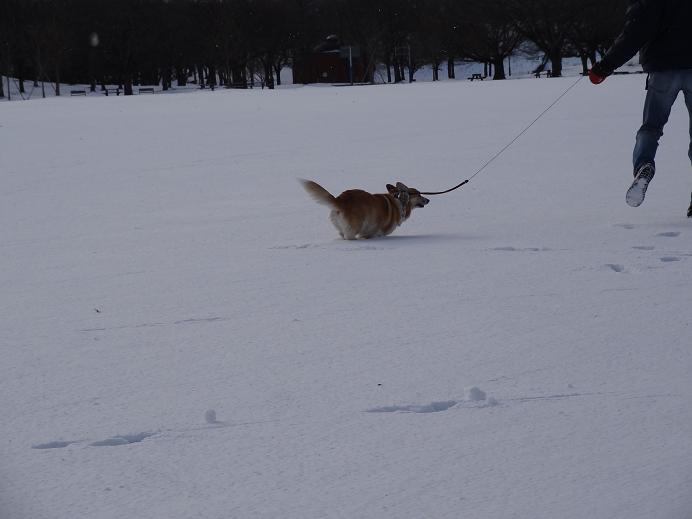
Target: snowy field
point(182, 335)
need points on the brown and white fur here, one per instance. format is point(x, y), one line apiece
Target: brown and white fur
point(359, 214)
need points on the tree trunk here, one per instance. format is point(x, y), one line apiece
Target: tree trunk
point(268, 74)
point(20, 77)
point(166, 78)
point(556, 63)
point(92, 70)
point(238, 77)
point(127, 86)
point(397, 73)
point(451, 73)
point(181, 75)
point(436, 70)
point(584, 64)
point(2, 88)
point(389, 71)
point(57, 80)
point(211, 76)
point(499, 63)
point(277, 71)
point(200, 73)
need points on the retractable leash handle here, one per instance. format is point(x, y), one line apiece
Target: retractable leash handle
point(508, 144)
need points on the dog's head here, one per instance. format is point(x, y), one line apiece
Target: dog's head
point(407, 195)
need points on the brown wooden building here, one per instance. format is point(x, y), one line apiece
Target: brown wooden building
point(330, 62)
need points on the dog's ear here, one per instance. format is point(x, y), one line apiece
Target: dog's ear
point(391, 188)
point(401, 187)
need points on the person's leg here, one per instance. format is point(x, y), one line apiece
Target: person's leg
point(687, 90)
point(660, 96)
point(663, 88)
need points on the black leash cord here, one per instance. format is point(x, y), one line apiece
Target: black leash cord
point(447, 191)
point(508, 145)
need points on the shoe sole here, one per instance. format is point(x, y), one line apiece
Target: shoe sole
point(637, 192)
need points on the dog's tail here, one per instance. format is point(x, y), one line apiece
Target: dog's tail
point(320, 194)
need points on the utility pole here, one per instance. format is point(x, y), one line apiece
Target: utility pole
point(7, 55)
point(350, 63)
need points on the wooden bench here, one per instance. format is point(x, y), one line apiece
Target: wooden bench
point(476, 76)
point(109, 91)
point(77, 92)
point(548, 73)
point(146, 90)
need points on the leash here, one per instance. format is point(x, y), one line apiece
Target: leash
point(508, 145)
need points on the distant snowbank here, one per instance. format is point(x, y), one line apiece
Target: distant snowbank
point(516, 67)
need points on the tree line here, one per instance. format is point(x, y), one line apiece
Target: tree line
point(237, 42)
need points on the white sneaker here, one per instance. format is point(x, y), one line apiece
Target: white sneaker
point(637, 191)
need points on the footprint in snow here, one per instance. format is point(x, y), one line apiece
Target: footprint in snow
point(525, 249)
point(475, 397)
point(669, 259)
point(295, 247)
point(644, 247)
point(57, 444)
point(670, 234)
point(432, 407)
point(615, 267)
point(125, 439)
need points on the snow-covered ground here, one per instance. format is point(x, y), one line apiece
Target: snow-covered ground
point(182, 335)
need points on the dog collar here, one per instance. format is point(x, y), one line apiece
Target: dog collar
point(402, 212)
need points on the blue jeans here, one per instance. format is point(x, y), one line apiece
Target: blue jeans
point(664, 88)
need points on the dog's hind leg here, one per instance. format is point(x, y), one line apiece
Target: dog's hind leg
point(345, 230)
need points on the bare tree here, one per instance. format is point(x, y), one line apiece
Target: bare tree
point(490, 35)
point(432, 24)
point(594, 28)
point(546, 24)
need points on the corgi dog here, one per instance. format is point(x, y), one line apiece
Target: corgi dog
point(359, 214)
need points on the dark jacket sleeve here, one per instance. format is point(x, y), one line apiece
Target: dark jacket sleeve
point(642, 20)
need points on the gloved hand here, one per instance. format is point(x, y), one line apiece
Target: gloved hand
point(598, 73)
